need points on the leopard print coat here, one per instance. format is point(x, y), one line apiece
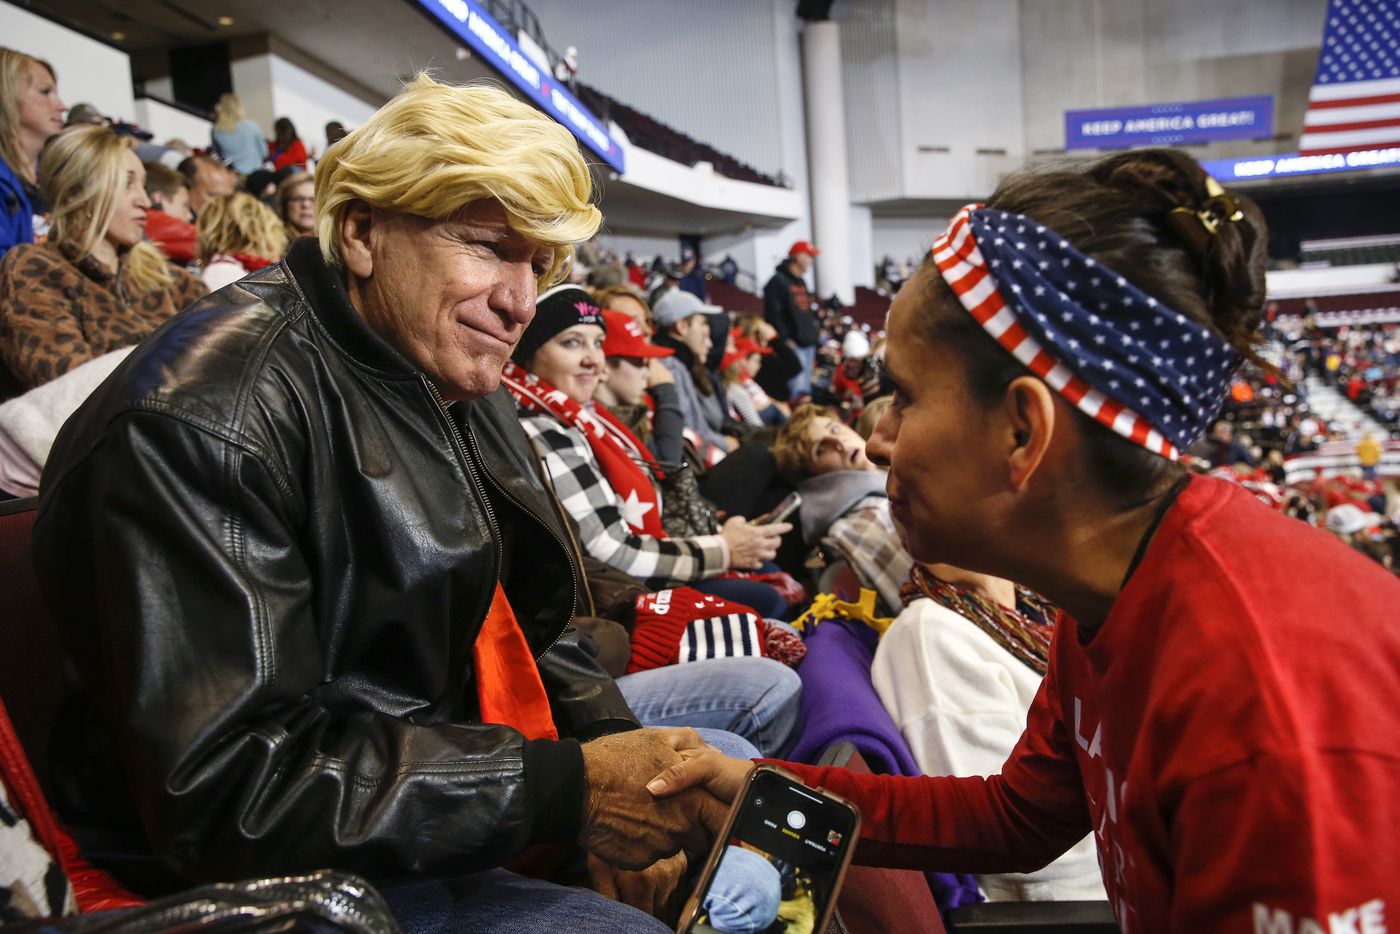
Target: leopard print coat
point(56, 313)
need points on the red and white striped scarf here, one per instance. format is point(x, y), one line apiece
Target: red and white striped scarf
point(625, 461)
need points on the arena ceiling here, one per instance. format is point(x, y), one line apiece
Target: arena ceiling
point(372, 44)
point(366, 47)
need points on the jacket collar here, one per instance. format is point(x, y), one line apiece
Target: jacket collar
point(324, 288)
point(683, 352)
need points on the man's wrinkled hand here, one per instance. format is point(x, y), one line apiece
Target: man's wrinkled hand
point(655, 890)
point(623, 824)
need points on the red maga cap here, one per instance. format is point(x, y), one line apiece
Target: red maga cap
point(625, 337)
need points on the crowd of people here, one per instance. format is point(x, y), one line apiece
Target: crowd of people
point(416, 534)
point(1363, 361)
point(99, 245)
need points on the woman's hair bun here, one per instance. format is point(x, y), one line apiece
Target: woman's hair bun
point(1119, 211)
point(1228, 247)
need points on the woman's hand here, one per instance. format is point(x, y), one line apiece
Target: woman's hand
point(750, 545)
point(708, 769)
point(657, 374)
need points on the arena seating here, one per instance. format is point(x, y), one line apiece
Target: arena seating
point(870, 307)
point(655, 136)
point(1353, 251)
point(31, 657)
point(732, 298)
point(1320, 307)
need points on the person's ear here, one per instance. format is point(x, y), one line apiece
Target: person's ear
point(1030, 409)
point(356, 252)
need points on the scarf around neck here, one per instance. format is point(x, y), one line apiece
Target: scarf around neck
point(1024, 630)
point(626, 463)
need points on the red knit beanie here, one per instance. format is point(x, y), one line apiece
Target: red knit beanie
point(684, 625)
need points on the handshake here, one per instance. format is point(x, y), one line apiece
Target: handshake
point(655, 798)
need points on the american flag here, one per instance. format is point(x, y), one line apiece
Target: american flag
point(1355, 98)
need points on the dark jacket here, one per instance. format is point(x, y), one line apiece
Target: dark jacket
point(788, 307)
point(271, 548)
point(661, 426)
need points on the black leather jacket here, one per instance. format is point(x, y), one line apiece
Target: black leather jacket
point(271, 547)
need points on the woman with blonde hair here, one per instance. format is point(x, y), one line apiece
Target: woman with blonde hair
point(30, 113)
point(238, 234)
point(629, 300)
point(238, 138)
point(296, 205)
point(96, 285)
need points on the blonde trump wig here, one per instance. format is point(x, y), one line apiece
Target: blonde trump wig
point(435, 148)
point(81, 173)
point(239, 223)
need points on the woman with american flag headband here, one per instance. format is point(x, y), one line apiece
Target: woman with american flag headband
point(1222, 724)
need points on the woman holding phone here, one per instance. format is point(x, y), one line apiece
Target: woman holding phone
point(606, 477)
point(1223, 726)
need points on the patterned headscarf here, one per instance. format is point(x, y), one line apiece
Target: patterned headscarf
point(1119, 355)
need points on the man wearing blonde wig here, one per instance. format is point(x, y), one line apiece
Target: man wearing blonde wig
point(315, 594)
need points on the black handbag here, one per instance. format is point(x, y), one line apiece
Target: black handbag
point(685, 510)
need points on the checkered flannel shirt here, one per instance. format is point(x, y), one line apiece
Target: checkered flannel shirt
point(603, 532)
point(866, 537)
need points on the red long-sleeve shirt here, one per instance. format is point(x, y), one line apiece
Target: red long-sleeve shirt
point(1231, 736)
point(294, 156)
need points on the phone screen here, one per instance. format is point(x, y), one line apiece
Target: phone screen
point(781, 863)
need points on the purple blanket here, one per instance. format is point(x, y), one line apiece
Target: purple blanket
point(839, 703)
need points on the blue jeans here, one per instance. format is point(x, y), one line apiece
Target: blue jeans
point(801, 384)
point(755, 698)
point(762, 598)
point(745, 893)
point(497, 900)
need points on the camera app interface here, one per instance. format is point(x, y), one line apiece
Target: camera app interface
point(779, 865)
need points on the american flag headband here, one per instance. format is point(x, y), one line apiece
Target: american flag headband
point(1120, 356)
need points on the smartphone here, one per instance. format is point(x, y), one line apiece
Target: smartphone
point(780, 512)
point(779, 861)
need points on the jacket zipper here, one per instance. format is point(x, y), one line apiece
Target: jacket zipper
point(584, 594)
point(573, 576)
point(470, 445)
point(471, 472)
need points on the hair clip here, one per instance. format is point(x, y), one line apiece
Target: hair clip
point(1197, 226)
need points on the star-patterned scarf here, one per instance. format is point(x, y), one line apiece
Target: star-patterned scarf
point(626, 463)
point(1123, 358)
